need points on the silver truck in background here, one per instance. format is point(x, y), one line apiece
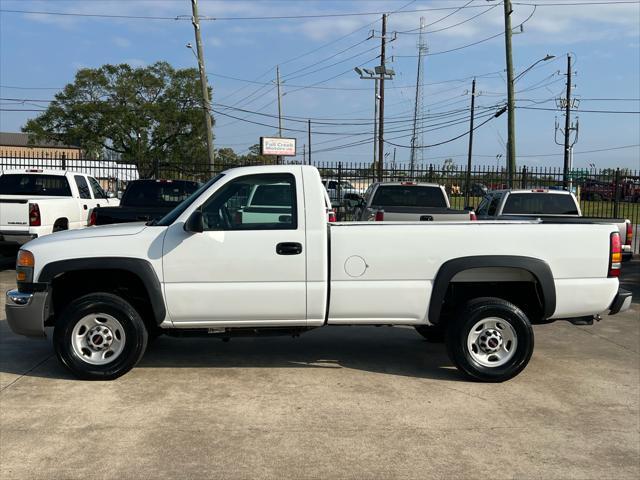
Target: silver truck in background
point(550, 205)
point(408, 202)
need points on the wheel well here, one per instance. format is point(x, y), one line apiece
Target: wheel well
point(525, 295)
point(61, 223)
point(71, 285)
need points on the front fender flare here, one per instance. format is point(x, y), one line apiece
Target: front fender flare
point(139, 267)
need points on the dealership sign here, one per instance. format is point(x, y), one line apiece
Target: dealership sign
point(284, 147)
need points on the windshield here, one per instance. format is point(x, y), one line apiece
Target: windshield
point(170, 217)
point(157, 193)
point(408, 196)
point(40, 185)
point(540, 204)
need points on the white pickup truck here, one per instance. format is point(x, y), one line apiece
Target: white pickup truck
point(551, 205)
point(203, 270)
point(37, 202)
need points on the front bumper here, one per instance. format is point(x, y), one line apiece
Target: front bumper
point(26, 312)
point(16, 237)
point(621, 302)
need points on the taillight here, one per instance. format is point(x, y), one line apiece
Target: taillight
point(93, 218)
point(472, 216)
point(332, 216)
point(34, 215)
point(615, 251)
point(379, 216)
point(627, 240)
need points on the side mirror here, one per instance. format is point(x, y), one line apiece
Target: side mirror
point(110, 195)
point(119, 194)
point(194, 223)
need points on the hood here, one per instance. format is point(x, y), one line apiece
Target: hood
point(115, 230)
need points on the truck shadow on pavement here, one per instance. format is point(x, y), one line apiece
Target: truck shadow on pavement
point(385, 350)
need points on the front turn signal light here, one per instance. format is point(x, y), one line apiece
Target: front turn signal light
point(25, 259)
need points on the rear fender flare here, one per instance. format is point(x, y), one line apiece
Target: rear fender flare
point(538, 268)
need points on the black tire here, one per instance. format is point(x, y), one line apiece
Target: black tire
point(134, 343)
point(467, 317)
point(431, 333)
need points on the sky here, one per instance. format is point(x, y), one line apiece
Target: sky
point(41, 53)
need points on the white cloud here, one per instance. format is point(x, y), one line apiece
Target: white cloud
point(215, 42)
point(121, 42)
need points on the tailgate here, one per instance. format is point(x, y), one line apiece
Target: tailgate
point(421, 214)
point(14, 213)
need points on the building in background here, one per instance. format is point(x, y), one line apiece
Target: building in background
point(17, 145)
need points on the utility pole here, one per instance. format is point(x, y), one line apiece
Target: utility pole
point(279, 157)
point(422, 49)
point(567, 128)
point(511, 100)
point(383, 42)
point(309, 139)
point(304, 154)
point(375, 124)
point(468, 182)
point(195, 20)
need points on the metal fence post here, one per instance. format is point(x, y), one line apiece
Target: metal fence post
point(616, 194)
point(524, 177)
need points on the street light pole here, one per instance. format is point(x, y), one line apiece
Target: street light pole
point(204, 86)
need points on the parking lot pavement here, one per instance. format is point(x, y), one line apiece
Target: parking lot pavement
point(342, 402)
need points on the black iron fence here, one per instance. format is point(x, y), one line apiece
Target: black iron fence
point(607, 193)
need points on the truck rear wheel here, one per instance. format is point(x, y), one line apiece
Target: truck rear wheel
point(490, 340)
point(99, 336)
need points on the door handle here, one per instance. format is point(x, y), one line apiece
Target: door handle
point(85, 207)
point(289, 248)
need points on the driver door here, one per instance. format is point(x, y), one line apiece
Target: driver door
point(247, 268)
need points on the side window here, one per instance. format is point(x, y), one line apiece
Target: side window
point(253, 202)
point(367, 194)
point(83, 188)
point(484, 206)
point(333, 185)
point(98, 192)
point(493, 206)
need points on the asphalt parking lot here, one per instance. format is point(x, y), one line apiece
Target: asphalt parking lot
point(341, 402)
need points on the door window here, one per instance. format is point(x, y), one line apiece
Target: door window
point(98, 192)
point(253, 202)
point(83, 188)
point(493, 206)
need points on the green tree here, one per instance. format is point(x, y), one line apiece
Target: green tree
point(145, 114)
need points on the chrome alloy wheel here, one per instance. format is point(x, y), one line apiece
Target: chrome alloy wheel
point(98, 338)
point(492, 342)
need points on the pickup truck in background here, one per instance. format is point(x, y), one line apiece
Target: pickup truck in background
point(207, 269)
point(37, 202)
point(408, 202)
point(145, 200)
point(550, 205)
point(341, 190)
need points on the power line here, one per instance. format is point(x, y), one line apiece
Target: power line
point(499, 34)
point(413, 32)
point(582, 111)
point(212, 18)
point(294, 17)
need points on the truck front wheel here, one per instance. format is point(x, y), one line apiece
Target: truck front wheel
point(99, 336)
point(490, 340)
